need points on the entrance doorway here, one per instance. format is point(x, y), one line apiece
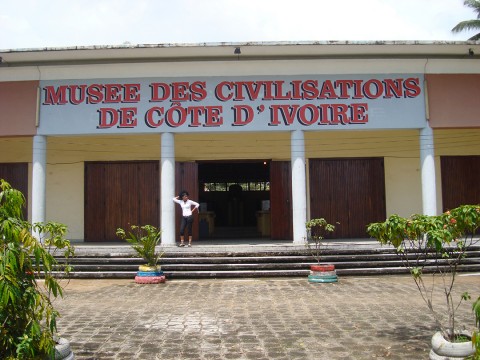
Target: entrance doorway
point(234, 199)
point(350, 192)
point(119, 194)
point(460, 181)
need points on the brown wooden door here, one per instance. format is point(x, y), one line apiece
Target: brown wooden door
point(16, 174)
point(120, 194)
point(186, 178)
point(348, 191)
point(460, 181)
point(281, 200)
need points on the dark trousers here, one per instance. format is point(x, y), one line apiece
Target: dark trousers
point(187, 222)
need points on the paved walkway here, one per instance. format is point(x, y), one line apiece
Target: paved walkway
point(282, 318)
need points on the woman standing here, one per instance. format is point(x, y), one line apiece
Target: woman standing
point(187, 216)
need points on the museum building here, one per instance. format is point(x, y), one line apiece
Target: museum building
point(265, 136)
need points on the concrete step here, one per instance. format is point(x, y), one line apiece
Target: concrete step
point(214, 273)
point(246, 264)
point(259, 263)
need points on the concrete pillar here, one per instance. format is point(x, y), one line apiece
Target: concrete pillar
point(299, 187)
point(39, 180)
point(427, 165)
point(167, 189)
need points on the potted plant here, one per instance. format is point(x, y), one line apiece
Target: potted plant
point(144, 240)
point(432, 248)
point(316, 232)
point(28, 320)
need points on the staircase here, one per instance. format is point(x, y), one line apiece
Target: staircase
point(227, 261)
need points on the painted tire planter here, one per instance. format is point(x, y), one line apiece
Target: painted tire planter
point(62, 350)
point(322, 268)
point(322, 273)
point(149, 279)
point(444, 350)
point(149, 273)
point(69, 357)
point(149, 268)
point(322, 279)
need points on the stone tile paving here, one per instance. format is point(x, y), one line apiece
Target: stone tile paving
point(380, 317)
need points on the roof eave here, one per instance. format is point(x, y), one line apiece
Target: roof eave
point(249, 51)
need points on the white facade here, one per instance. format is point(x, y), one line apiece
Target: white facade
point(276, 101)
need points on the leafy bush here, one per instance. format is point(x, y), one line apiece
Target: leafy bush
point(435, 245)
point(143, 240)
point(27, 317)
point(317, 229)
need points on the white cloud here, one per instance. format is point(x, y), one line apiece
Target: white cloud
point(27, 23)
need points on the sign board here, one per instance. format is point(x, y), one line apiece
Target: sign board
point(232, 104)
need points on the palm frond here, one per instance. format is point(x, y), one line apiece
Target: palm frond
point(475, 37)
point(473, 4)
point(466, 25)
point(143, 240)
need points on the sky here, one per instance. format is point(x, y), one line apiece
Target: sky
point(65, 23)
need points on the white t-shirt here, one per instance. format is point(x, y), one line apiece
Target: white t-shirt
point(186, 206)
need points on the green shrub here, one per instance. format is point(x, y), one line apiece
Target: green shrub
point(434, 246)
point(27, 317)
point(143, 240)
point(317, 229)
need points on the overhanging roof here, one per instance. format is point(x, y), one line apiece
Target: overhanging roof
point(249, 51)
